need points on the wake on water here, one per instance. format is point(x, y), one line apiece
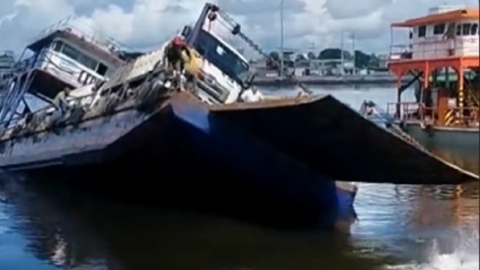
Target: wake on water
point(464, 256)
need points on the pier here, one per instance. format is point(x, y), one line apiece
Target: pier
point(313, 80)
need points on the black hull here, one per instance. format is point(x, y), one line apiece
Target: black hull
point(320, 132)
point(329, 137)
point(174, 162)
point(289, 151)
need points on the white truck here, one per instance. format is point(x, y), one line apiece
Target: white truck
point(223, 73)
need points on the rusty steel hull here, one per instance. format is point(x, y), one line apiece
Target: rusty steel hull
point(280, 153)
point(174, 155)
point(93, 141)
point(318, 132)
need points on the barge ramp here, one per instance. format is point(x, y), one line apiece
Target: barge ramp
point(331, 138)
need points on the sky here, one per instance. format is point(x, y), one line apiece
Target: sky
point(141, 24)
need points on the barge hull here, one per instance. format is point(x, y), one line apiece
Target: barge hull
point(333, 139)
point(276, 175)
point(175, 161)
point(462, 138)
point(319, 132)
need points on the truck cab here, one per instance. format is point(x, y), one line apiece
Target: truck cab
point(222, 72)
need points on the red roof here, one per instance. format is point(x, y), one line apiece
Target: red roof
point(451, 16)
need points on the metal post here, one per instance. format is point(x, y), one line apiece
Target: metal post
point(353, 49)
point(281, 38)
point(341, 55)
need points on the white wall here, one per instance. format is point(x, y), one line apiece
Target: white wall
point(436, 45)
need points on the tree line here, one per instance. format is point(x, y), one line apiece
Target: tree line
point(362, 60)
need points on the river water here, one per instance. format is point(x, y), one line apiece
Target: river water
point(398, 227)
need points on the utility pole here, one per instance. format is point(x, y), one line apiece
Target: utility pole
point(281, 38)
point(342, 60)
point(353, 49)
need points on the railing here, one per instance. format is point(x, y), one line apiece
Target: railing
point(435, 48)
point(400, 52)
point(87, 32)
point(466, 116)
point(24, 65)
point(402, 110)
point(454, 117)
point(83, 101)
point(7, 54)
point(473, 96)
point(375, 114)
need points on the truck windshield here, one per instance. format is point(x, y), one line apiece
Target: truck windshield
point(222, 57)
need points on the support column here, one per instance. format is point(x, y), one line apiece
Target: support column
point(460, 93)
point(447, 77)
point(426, 87)
point(399, 96)
point(426, 76)
point(435, 78)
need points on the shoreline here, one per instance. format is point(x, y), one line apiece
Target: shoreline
point(329, 80)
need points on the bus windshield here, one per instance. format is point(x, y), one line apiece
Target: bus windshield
point(222, 57)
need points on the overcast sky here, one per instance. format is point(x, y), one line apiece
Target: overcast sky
point(145, 23)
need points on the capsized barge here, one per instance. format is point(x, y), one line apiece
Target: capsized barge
point(282, 155)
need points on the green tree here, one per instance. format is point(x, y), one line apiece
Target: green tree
point(274, 55)
point(311, 55)
point(274, 60)
point(334, 53)
point(362, 60)
point(300, 57)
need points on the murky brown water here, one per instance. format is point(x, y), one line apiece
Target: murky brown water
point(399, 227)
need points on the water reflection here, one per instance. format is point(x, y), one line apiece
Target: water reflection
point(69, 230)
point(50, 226)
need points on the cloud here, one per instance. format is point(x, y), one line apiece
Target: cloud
point(146, 23)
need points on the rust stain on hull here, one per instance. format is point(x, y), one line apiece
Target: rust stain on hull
point(97, 136)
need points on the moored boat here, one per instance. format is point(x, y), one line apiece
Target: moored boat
point(444, 43)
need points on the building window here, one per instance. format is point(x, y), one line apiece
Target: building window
point(422, 31)
point(70, 52)
point(87, 61)
point(79, 57)
point(101, 69)
point(459, 30)
point(57, 46)
point(474, 29)
point(439, 29)
point(466, 29)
